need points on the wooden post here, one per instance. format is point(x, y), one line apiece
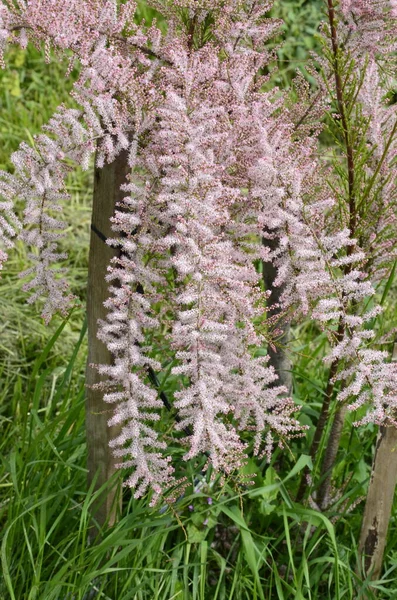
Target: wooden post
point(379, 502)
point(278, 358)
point(107, 182)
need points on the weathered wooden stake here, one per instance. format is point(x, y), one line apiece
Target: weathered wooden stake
point(107, 182)
point(278, 358)
point(379, 502)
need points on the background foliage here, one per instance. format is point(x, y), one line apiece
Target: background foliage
point(216, 542)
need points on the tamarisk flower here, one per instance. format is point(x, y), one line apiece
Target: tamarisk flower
point(108, 86)
point(79, 26)
point(378, 236)
point(216, 164)
point(321, 267)
point(217, 283)
point(370, 25)
point(373, 379)
point(129, 316)
point(202, 156)
point(218, 293)
point(9, 222)
point(39, 180)
point(328, 279)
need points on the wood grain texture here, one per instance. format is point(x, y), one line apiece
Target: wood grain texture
point(101, 463)
point(379, 502)
point(278, 357)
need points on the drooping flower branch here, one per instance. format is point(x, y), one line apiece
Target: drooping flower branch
point(217, 286)
point(369, 26)
point(129, 316)
point(103, 123)
point(365, 374)
point(221, 297)
point(9, 222)
point(368, 206)
point(216, 165)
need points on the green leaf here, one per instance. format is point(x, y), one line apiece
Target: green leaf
point(303, 461)
point(249, 545)
point(389, 283)
point(361, 471)
point(195, 535)
point(266, 505)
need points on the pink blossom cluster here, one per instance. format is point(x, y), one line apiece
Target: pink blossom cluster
point(186, 211)
point(217, 164)
point(371, 25)
point(379, 238)
point(323, 274)
point(109, 75)
point(371, 44)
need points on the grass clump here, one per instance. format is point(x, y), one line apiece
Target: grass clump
point(214, 542)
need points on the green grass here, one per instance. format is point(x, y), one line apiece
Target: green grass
point(249, 543)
